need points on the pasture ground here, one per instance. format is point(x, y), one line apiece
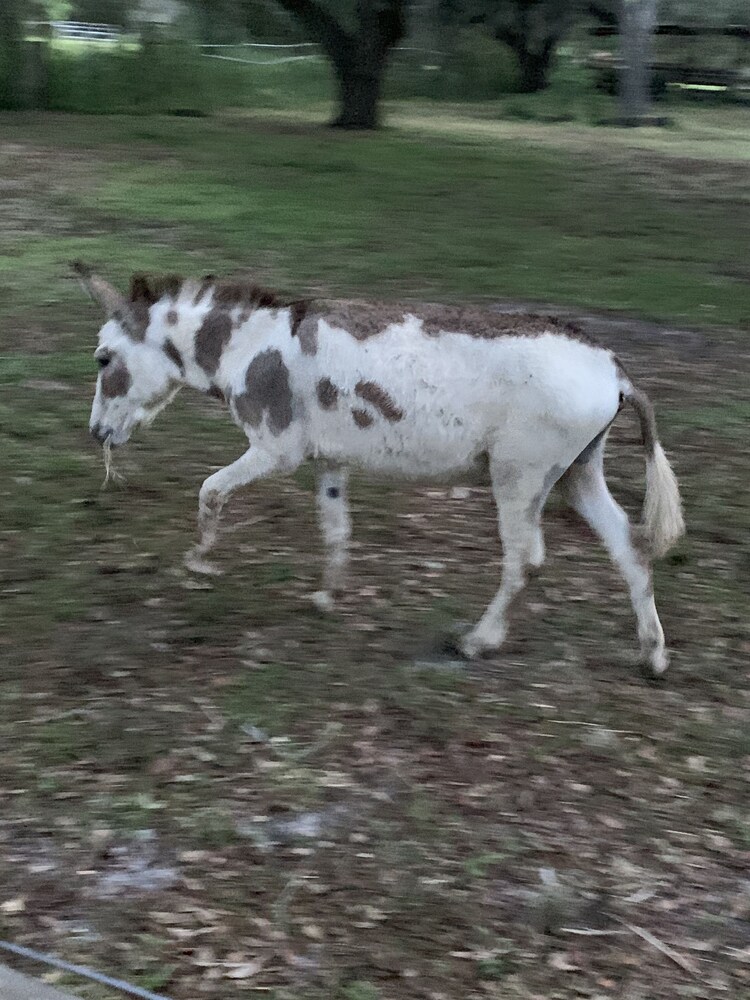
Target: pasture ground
point(210, 790)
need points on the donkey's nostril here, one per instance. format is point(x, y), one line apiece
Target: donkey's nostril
point(99, 433)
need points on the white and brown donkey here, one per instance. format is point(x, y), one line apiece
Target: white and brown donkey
point(406, 391)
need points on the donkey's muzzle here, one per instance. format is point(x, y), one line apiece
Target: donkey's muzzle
point(100, 433)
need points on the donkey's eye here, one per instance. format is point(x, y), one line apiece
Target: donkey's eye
point(103, 360)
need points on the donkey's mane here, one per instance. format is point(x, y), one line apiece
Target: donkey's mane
point(227, 292)
point(362, 319)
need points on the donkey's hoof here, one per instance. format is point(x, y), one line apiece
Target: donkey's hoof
point(197, 563)
point(658, 661)
point(474, 646)
point(323, 601)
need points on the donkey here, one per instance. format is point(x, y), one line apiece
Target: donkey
point(396, 390)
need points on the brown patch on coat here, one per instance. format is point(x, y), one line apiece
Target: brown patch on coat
point(116, 380)
point(207, 283)
point(362, 418)
point(267, 393)
point(172, 317)
point(303, 327)
point(307, 334)
point(328, 394)
point(211, 339)
point(376, 396)
point(297, 312)
point(367, 319)
point(173, 354)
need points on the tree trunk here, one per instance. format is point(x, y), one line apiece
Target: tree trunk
point(637, 24)
point(358, 56)
point(11, 55)
point(534, 67)
point(359, 94)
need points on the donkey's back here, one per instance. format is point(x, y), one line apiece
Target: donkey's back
point(421, 390)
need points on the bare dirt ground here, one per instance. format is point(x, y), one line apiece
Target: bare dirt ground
point(210, 789)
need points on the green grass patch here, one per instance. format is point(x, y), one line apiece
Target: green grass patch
point(390, 215)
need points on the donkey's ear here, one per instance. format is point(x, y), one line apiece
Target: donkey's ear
point(101, 291)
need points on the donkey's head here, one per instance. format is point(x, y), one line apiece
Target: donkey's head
point(136, 378)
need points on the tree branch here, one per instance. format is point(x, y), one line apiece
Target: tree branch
point(322, 26)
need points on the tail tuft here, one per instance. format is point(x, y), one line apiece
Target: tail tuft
point(662, 509)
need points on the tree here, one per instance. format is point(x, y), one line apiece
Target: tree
point(637, 24)
point(232, 21)
point(101, 11)
point(533, 29)
point(358, 51)
point(11, 54)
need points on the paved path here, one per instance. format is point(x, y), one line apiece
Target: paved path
point(14, 986)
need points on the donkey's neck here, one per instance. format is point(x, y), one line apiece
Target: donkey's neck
point(211, 346)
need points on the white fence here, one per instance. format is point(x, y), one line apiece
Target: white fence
point(265, 46)
point(86, 31)
point(316, 54)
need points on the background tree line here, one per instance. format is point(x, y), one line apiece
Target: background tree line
point(358, 36)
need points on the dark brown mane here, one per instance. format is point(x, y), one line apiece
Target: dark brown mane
point(227, 292)
point(150, 289)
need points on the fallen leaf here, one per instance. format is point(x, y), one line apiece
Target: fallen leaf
point(17, 905)
point(560, 961)
point(245, 971)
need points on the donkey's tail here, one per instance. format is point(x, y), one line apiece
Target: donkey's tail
point(662, 508)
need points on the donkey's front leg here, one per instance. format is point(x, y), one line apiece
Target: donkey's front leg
point(336, 526)
point(254, 464)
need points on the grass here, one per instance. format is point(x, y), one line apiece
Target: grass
point(132, 702)
point(480, 220)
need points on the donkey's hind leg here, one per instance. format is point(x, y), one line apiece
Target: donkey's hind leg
point(520, 498)
point(336, 526)
point(589, 495)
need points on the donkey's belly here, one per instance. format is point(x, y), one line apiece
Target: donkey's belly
point(446, 443)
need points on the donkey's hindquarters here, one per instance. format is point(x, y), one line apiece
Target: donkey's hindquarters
point(587, 492)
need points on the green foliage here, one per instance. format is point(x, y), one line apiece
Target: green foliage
point(477, 68)
point(100, 11)
point(57, 10)
point(160, 75)
point(533, 29)
point(228, 21)
point(718, 12)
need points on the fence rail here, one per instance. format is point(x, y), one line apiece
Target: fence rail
point(682, 30)
point(88, 31)
point(284, 58)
